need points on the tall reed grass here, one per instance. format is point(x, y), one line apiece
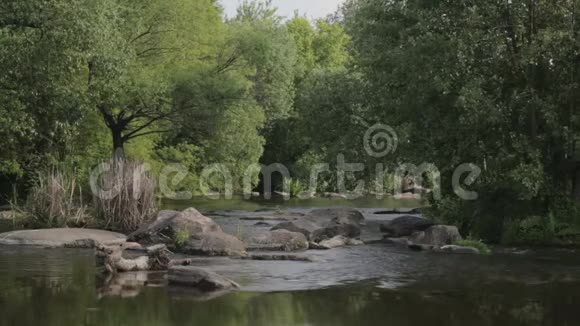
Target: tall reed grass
point(128, 199)
point(56, 200)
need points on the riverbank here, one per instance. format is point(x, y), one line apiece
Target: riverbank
point(240, 215)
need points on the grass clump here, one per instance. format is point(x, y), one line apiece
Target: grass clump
point(181, 237)
point(125, 197)
point(54, 201)
point(478, 244)
point(296, 188)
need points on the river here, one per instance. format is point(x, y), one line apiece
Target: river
point(365, 285)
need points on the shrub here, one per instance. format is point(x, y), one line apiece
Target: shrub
point(126, 198)
point(181, 237)
point(485, 217)
point(478, 244)
point(565, 211)
point(449, 210)
point(296, 188)
point(532, 230)
point(54, 201)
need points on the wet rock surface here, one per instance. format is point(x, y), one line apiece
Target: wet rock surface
point(168, 223)
point(278, 240)
point(322, 224)
point(405, 226)
point(213, 244)
point(437, 236)
point(199, 278)
point(203, 235)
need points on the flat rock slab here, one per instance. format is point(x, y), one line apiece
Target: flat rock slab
point(59, 237)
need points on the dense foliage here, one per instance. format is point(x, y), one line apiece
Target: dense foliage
point(490, 83)
point(493, 84)
point(163, 82)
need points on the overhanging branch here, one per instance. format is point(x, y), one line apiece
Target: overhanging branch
point(147, 133)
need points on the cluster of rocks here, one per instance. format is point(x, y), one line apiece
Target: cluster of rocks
point(319, 229)
point(418, 233)
point(191, 233)
point(278, 240)
point(111, 259)
point(200, 235)
point(326, 228)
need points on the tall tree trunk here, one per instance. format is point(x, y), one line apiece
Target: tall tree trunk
point(118, 144)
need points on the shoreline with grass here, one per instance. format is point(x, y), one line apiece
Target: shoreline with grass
point(14, 221)
point(58, 201)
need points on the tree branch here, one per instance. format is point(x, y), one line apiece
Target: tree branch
point(142, 34)
point(144, 52)
point(149, 123)
point(147, 133)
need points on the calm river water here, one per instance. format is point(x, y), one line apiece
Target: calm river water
point(366, 285)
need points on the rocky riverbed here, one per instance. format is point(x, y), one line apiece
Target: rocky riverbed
point(235, 234)
point(521, 287)
point(295, 249)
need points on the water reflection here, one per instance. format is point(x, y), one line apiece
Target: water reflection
point(128, 285)
point(54, 287)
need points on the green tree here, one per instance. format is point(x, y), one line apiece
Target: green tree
point(303, 35)
point(322, 46)
point(263, 44)
point(322, 57)
point(43, 81)
point(330, 46)
point(487, 83)
point(130, 72)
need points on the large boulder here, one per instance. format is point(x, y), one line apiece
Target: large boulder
point(168, 223)
point(322, 224)
point(278, 240)
point(437, 235)
point(200, 279)
point(213, 244)
point(405, 226)
point(199, 234)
